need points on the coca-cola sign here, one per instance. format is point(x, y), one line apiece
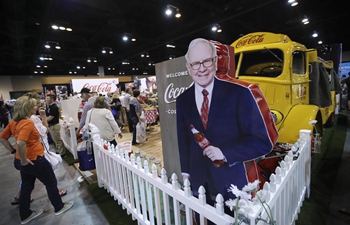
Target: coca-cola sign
point(172, 92)
point(250, 39)
point(101, 86)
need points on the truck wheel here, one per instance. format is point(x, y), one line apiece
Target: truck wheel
point(330, 121)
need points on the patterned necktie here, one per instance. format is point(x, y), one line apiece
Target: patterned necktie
point(205, 108)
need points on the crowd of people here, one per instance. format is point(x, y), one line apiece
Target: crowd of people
point(33, 122)
point(28, 129)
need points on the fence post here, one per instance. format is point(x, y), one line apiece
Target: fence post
point(73, 138)
point(306, 136)
point(96, 140)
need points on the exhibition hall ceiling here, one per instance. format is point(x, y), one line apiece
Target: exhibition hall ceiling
point(96, 25)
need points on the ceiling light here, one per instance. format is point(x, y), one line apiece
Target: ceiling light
point(171, 57)
point(125, 62)
point(170, 46)
point(49, 43)
point(78, 67)
point(151, 63)
point(169, 11)
point(62, 26)
point(91, 59)
point(144, 54)
point(133, 39)
point(107, 49)
point(216, 28)
point(320, 42)
point(39, 71)
point(315, 34)
point(305, 20)
point(125, 38)
point(178, 14)
point(45, 57)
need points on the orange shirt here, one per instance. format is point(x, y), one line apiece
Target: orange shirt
point(25, 130)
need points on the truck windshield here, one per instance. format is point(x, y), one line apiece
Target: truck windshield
point(262, 63)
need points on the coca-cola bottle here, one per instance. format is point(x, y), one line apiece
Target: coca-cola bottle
point(203, 142)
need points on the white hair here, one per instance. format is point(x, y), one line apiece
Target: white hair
point(197, 40)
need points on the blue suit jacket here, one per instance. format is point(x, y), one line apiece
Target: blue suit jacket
point(235, 125)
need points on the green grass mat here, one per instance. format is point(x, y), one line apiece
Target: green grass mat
point(324, 170)
point(69, 159)
point(113, 212)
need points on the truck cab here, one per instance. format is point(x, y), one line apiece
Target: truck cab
point(294, 80)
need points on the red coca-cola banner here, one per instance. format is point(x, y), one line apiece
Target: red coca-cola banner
point(101, 86)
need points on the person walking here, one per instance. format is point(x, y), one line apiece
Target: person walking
point(30, 160)
point(89, 100)
point(103, 119)
point(4, 115)
point(135, 113)
point(127, 97)
point(53, 119)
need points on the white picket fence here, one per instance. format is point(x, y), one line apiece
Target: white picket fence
point(68, 136)
point(151, 199)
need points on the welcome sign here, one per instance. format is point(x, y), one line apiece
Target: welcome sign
point(172, 80)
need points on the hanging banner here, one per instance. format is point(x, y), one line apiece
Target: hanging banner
point(101, 86)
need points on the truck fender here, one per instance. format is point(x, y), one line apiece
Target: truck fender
point(297, 118)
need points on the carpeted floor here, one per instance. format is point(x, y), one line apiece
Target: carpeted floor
point(113, 212)
point(324, 170)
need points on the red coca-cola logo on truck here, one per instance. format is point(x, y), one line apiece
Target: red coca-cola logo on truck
point(102, 87)
point(250, 39)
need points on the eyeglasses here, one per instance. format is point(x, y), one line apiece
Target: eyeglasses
point(206, 63)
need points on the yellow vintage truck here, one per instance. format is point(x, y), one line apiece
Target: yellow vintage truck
point(297, 84)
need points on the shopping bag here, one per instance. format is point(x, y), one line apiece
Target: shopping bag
point(143, 117)
point(141, 132)
point(53, 158)
point(86, 157)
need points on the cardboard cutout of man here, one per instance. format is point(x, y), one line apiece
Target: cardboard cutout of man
point(239, 125)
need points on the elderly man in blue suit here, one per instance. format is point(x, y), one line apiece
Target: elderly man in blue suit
point(236, 127)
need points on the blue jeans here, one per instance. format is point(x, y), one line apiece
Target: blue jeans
point(43, 171)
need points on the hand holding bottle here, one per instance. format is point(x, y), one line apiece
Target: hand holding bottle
point(213, 153)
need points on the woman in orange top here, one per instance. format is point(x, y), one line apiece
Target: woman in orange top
point(30, 160)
